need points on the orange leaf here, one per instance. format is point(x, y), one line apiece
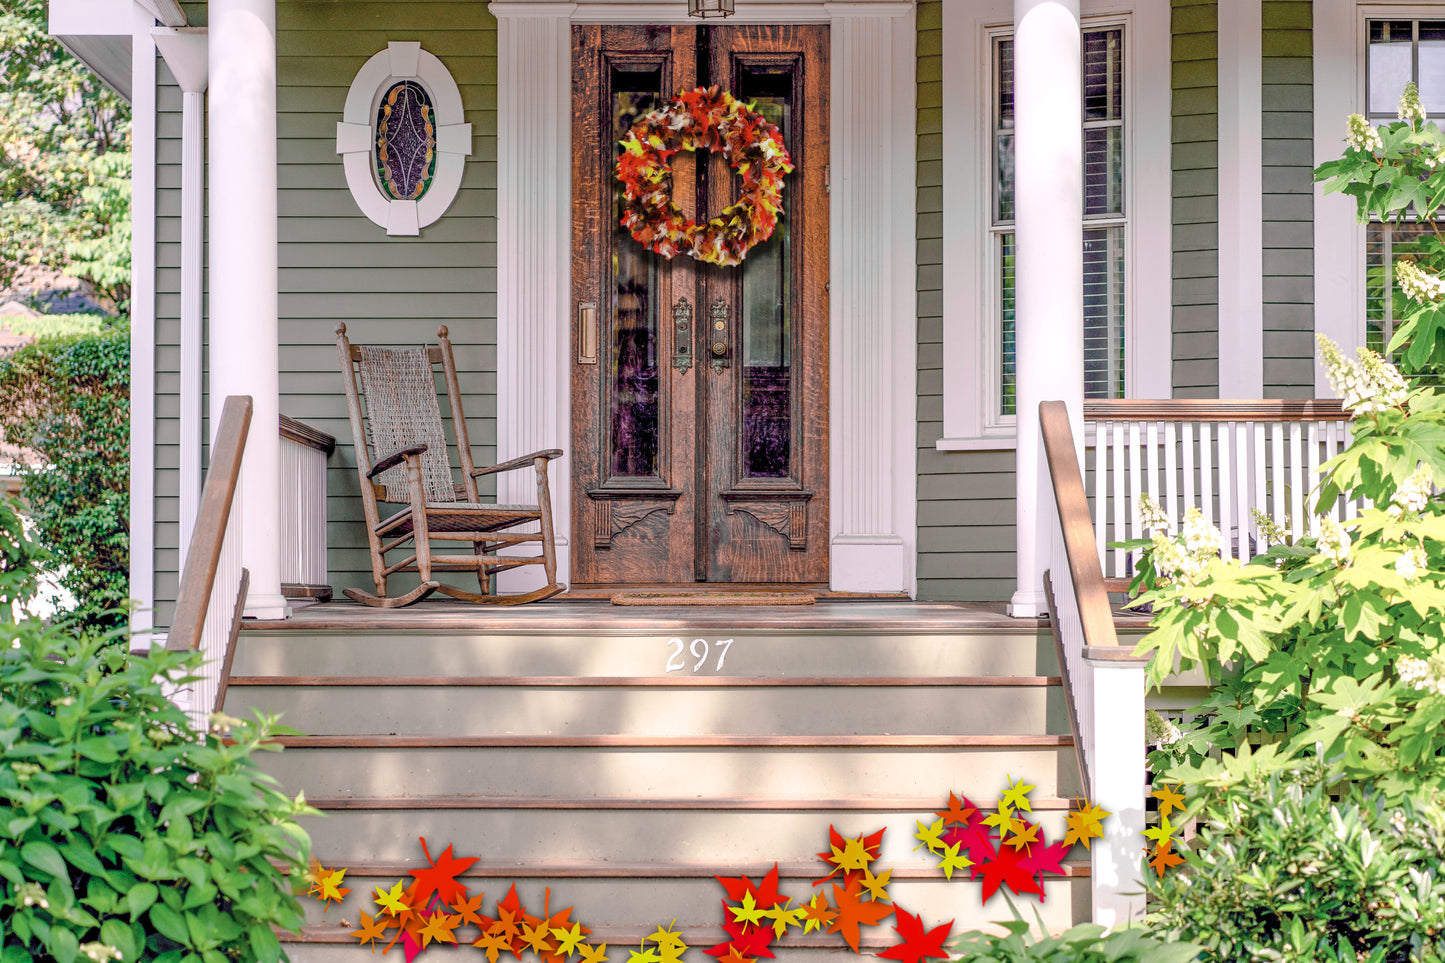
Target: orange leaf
point(854, 912)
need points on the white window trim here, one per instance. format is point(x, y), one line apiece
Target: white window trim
point(970, 289)
point(356, 137)
point(1339, 90)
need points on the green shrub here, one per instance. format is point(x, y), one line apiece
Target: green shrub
point(121, 827)
point(57, 325)
point(1279, 871)
point(68, 400)
point(1085, 943)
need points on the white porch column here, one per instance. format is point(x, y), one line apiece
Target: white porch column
point(534, 257)
point(185, 53)
point(243, 274)
point(872, 298)
point(1049, 226)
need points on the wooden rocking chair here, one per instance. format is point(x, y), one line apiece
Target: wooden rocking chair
point(401, 457)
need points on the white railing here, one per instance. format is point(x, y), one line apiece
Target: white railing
point(303, 503)
point(1103, 683)
point(1227, 458)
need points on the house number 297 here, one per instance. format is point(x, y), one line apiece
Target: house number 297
point(700, 649)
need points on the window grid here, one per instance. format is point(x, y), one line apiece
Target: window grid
point(1105, 217)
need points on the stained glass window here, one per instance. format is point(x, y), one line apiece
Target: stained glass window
point(406, 142)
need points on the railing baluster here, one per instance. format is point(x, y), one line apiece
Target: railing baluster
point(1136, 486)
point(1101, 491)
point(1312, 446)
point(1297, 480)
point(1226, 490)
point(1278, 500)
point(1151, 459)
point(1119, 503)
point(1186, 433)
point(1251, 445)
point(1171, 480)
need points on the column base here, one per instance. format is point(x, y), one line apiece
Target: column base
point(869, 563)
point(267, 607)
point(1028, 605)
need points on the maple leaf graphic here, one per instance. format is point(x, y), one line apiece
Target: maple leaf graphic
point(817, 915)
point(593, 954)
point(755, 942)
point(1045, 859)
point(930, 835)
point(1084, 825)
point(1169, 798)
point(1007, 868)
point(493, 944)
point(372, 928)
point(467, 910)
point(917, 944)
point(439, 927)
point(1163, 856)
point(440, 877)
point(849, 856)
point(765, 892)
point(958, 813)
point(854, 912)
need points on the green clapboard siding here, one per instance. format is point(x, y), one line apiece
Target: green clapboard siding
point(965, 499)
point(1194, 135)
point(1287, 74)
point(335, 265)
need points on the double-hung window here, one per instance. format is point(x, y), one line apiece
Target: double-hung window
point(1105, 213)
point(1398, 51)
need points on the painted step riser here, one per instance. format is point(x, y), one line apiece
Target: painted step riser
point(456, 711)
point(647, 773)
point(331, 953)
point(629, 905)
point(621, 837)
point(769, 655)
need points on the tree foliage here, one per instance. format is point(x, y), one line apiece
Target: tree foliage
point(64, 160)
point(68, 400)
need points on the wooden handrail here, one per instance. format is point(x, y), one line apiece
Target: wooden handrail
point(1074, 521)
point(307, 436)
point(1212, 409)
point(204, 554)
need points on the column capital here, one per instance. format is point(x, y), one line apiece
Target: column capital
point(185, 52)
point(511, 9)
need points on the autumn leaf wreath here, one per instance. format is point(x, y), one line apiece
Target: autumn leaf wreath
point(715, 120)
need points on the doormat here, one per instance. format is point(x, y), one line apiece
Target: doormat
point(713, 598)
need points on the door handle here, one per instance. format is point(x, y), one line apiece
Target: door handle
point(718, 338)
point(587, 332)
point(682, 335)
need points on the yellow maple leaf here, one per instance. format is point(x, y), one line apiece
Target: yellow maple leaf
point(536, 938)
point(331, 888)
point(853, 856)
point(643, 955)
point(1169, 799)
point(747, 913)
point(783, 917)
point(439, 927)
point(1084, 825)
point(593, 954)
point(494, 943)
point(1016, 796)
point(1161, 833)
point(667, 939)
point(567, 940)
point(875, 885)
point(952, 860)
point(930, 835)
point(394, 900)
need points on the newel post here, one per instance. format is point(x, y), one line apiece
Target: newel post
point(1118, 770)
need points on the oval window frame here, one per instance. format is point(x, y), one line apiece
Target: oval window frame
point(356, 137)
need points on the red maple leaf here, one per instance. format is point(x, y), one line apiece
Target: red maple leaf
point(917, 944)
point(1045, 859)
point(854, 912)
point(1007, 868)
point(440, 877)
point(976, 843)
point(765, 893)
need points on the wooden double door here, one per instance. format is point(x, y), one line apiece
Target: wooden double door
point(699, 393)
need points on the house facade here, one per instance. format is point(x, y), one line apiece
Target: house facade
point(1115, 192)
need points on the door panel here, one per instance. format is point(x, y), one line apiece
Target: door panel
point(699, 392)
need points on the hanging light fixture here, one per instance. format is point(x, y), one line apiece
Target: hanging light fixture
point(709, 8)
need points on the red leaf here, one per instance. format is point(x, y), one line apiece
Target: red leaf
point(1045, 859)
point(917, 945)
point(1006, 868)
point(765, 893)
point(440, 878)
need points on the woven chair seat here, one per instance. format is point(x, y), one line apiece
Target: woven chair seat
point(464, 517)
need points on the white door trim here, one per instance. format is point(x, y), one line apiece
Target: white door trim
point(872, 263)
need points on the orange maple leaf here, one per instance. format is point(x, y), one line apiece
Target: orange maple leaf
point(854, 912)
point(817, 914)
point(1163, 856)
point(372, 928)
point(958, 812)
point(439, 927)
point(735, 956)
point(467, 910)
point(440, 877)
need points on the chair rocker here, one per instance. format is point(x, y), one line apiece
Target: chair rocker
point(401, 458)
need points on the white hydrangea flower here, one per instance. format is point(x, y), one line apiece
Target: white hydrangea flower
point(99, 952)
point(1201, 539)
point(1422, 675)
point(1411, 110)
point(32, 894)
point(1415, 283)
point(1334, 541)
point(1159, 731)
point(1411, 564)
point(1369, 385)
point(1414, 494)
point(1152, 516)
point(1361, 136)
